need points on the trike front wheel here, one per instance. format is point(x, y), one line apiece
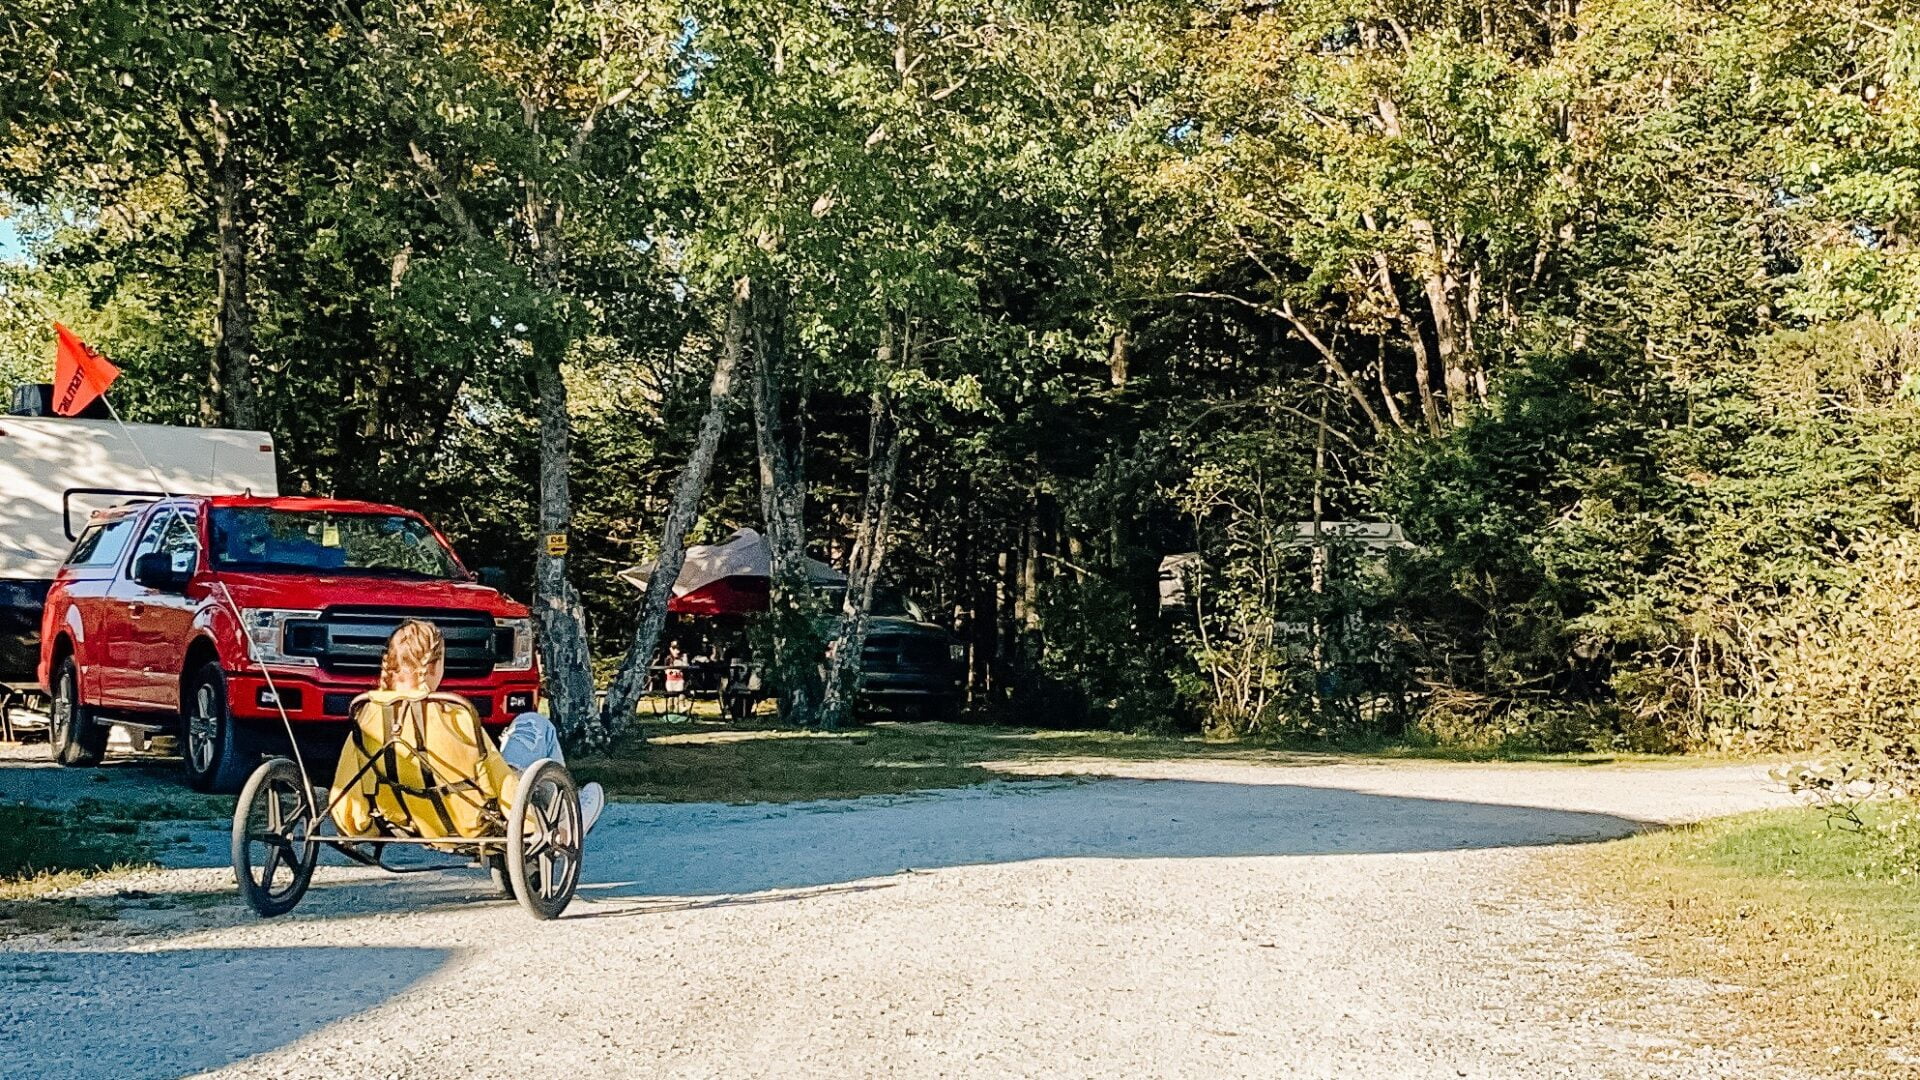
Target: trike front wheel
point(544, 838)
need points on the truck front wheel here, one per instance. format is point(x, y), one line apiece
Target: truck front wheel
point(217, 751)
point(73, 738)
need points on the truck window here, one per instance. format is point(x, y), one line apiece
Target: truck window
point(103, 541)
point(319, 541)
point(173, 533)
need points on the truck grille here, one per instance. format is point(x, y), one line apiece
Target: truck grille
point(351, 641)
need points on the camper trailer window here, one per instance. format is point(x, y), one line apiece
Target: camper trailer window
point(308, 541)
point(103, 541)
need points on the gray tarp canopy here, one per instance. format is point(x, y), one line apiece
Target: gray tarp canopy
point(745, 554)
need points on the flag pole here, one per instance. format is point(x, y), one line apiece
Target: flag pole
point(233, 607)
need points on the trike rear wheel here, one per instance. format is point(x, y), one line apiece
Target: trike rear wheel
point(274, 848)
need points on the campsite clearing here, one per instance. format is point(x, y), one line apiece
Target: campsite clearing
point(1323, 917)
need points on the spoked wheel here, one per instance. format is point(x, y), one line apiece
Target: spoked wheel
point(273, 838)
point(544, 837)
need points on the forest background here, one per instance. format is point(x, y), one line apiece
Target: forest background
point(1610, 304)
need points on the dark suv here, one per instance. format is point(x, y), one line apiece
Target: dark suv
point(908, 664)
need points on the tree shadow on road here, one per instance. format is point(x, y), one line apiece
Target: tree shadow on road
point(695, 851)
point(74, 1014)
point(674, 856)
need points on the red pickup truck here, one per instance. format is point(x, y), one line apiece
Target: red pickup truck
point(168, 616)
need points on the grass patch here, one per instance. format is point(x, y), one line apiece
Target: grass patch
point(1812, 920)
point(712, 761)
point(44, 851)
point(709, 760)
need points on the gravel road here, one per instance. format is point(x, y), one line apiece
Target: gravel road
point(1182, 919)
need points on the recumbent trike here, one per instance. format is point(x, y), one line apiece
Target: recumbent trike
point(530, 845)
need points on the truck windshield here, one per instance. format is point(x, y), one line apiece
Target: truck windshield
point(316, 541)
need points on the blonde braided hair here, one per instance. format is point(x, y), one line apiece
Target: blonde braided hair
point(413, 652)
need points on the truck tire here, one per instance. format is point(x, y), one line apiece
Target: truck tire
point(73, 738)
point(217, 752)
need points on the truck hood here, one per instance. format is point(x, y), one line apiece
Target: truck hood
point(318, 592)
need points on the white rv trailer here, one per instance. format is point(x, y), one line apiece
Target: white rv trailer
point(55, 472)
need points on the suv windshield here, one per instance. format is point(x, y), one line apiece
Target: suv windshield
point(887, 603)
point(319, 541)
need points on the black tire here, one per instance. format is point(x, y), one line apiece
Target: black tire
point(943, 709)
point(216, 751)
point(544, 837)
point(501, 877)
point(273, 846)
point(73, 735)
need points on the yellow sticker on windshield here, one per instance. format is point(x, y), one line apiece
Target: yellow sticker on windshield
point(330, 535)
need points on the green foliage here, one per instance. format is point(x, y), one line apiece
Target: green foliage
point(1612, 306)
point(1098, 664)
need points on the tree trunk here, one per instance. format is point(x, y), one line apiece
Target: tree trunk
point(780, 445)
point(863, 566)
point(1389, 113)
point(1416, 338)
point(559, 616)
point(624, 695)
point(1029, 601)
point(1451, 346)
point(1006, 632)
point(231, 378)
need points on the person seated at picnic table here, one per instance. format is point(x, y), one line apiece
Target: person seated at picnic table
point(439, 743)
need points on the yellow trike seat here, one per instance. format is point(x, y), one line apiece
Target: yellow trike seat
point(419, 764)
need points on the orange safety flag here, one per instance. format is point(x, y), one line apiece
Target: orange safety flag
point(79, 373)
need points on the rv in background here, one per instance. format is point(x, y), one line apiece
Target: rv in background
point(56, 471)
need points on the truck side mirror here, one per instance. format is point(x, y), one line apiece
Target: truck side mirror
point(155, 570)
point(492, 577)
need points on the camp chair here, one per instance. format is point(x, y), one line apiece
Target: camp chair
point(531, 847)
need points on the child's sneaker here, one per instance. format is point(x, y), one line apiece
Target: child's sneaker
point(593, 799)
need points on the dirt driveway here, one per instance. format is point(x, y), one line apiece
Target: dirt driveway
point(1326, 919)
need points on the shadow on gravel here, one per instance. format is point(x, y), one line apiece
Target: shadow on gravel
point(27, 776)
point(672, 857)
point(83, 1015)
point(706, 850)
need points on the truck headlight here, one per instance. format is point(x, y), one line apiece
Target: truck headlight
point(266, 630)
point(517, 656)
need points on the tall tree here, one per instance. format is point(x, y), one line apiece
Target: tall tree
point(629, 681)
point(106, 100)
point(525, 125)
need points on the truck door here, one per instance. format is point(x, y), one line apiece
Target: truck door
point(157, 622)
point(91, 570)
